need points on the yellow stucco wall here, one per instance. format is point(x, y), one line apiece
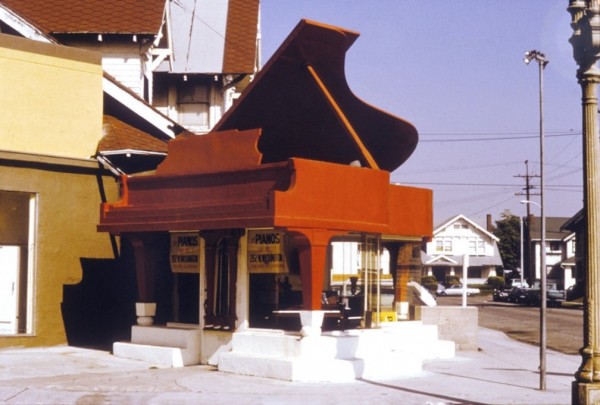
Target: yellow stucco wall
point(51, 98)
point(51, 104)
point(67, 213)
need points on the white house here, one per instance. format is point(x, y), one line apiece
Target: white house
point(452, 240)
point(190, 59)
point(560, 250)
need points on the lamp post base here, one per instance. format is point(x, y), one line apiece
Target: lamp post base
point(585, 393)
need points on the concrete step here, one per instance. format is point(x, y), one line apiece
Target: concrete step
point(165, 345)
point(384, 353)
point(165, 356)
point(320, 370)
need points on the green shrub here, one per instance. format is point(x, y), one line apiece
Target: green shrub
point(495, 282)
point(429, 282)
point(451, 280)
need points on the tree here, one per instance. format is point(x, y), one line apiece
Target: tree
point(508, 230)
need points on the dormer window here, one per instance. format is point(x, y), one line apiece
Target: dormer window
point(193, 103)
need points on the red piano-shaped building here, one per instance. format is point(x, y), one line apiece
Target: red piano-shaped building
point(233, 236)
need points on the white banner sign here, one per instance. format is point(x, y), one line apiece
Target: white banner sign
point(265, 251)
point(185, 252)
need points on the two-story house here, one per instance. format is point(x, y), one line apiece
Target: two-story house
point(187, 59)
point(560, 250)
point(574, 265)
point(456, 238)
point(92, 106)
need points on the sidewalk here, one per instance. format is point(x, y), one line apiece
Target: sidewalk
point(503, 371)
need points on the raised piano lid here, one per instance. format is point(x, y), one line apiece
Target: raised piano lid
point(302, 103)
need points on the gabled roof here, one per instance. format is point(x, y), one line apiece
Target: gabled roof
point(464, 218)
point(241, 37)
point(91, 16)
point(21, 25)
point(554, 228)
point(439, 259)
point(457, 260)
point(574, 223)
point(213, 37)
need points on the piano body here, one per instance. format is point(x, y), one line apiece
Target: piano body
point(297, 153)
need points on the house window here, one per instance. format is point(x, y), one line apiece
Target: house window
point(193, 102)
point(439, 245)
point(481, 247)
point(448, 245)
point(555, 246)
point(17, 238)
point(472, 246)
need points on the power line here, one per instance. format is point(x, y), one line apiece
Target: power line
point(425, 183)
point(504, 138)
point(485, 133)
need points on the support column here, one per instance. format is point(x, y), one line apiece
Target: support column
point(312, 250)
point(145, 307)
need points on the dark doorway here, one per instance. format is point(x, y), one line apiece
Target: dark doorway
point(186, 306)
point(101, 308)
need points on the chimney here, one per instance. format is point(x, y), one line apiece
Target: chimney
point(489, 225)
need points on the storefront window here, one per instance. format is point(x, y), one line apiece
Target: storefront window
point(221, 248)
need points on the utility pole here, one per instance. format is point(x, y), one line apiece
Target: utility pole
point(528, 185)
point(528, 264)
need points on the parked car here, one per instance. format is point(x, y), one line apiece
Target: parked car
point(575, 292)
point(518, 295)
point(501, 294)
point(554, 296)
point(457, 289)
point(516, 282)
point(440, 289)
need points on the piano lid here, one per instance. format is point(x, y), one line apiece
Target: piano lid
point(305, 108)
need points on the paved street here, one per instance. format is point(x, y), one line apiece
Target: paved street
point(564, 326)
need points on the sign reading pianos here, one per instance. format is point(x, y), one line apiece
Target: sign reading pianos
point(185, 252)
point(265, 251)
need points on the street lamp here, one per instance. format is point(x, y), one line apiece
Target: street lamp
point(543, 338)
point(585, 22)
point(541, 60)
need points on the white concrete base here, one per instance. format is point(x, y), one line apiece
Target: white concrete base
point(459, 324)
point(169, 346)
point(213, 343)
point(145, 312)
point(397, 349)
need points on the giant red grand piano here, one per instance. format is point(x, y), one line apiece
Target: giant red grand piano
point(298, 152)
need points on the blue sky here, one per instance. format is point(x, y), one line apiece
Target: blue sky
point(455, 70)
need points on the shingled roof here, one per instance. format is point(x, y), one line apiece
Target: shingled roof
point(117, 135)
point(240, 44)
point(91, 16)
